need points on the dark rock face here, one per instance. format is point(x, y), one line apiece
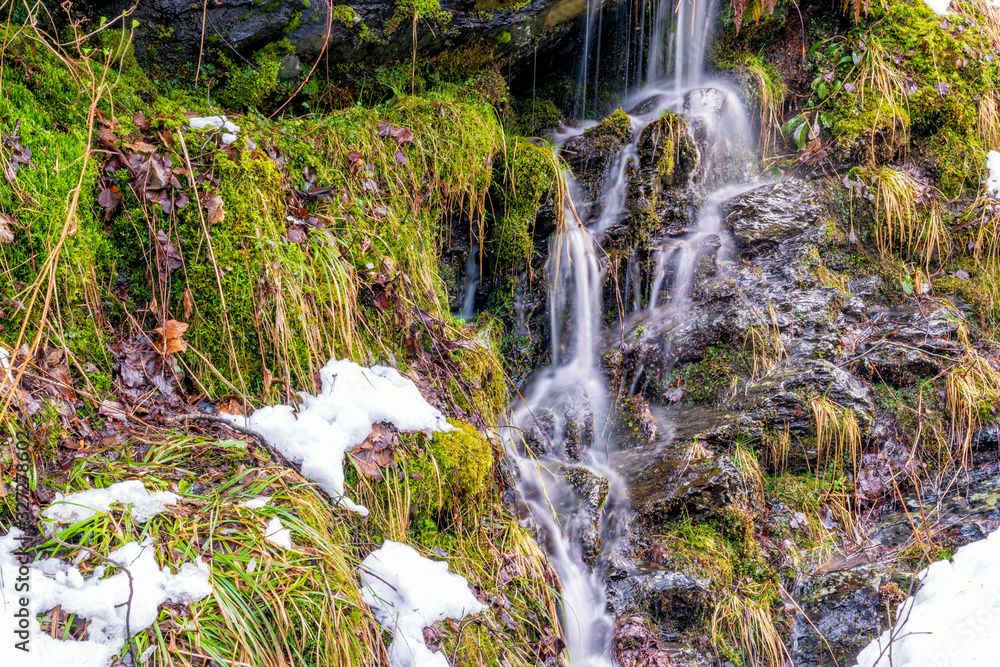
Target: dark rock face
point(847, 610)
point(667, 480)
point(172, 29)
point(763, 218)
point(591, 489)
point(675, 599)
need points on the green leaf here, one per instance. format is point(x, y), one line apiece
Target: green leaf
point(801, 135)
point(907, 286)
point(135, 24)
point(822, 90)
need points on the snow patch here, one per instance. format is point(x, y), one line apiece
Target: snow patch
point(340, 417)
point(101, 601)
point(952, 619)
point(407, 593)
point(993, 180)
point(218, 122)
point(142, 504)
point(276, 533)
point(256, 503)
point(939, 7)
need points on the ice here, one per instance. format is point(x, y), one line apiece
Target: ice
point(993, 180)
point(952, 619)
point(276, 533)
point(340, 417)
point(407, 593)
point(101, 601)
point(142, 504)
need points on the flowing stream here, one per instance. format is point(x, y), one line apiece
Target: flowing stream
point(559, 435)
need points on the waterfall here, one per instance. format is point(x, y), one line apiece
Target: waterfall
point(562, 423)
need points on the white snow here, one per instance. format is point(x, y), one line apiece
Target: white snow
point(276, 533)
point(939, 7)
point(218, 122)
point(954, 619)
point(142, 504)
point(407, 593)
point(100, 600)
point(256, 503)
point(993, 180)
point(328, 425)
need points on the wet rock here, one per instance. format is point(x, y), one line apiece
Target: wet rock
point(635, 424)
point(965, 509)
point(769, 215)
point(290, 68)
point(781, 396)
point(897, 364)
point(591, 489)
point(676, 600)
point(847, 610)
point(669, 481)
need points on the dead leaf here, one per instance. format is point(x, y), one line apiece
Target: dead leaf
point(187, 302)
point(106, 137)
point(113, 410)
point(109, 199)
point(215, 208)
point(141, 122)
point(400, 157)
point(7, 222)
point(169, 338)
point(168, 259)
point(962, 274)
point(403, 135)
point(141, 146)
point(376, 452)
point(673, 395)
point(434, 637)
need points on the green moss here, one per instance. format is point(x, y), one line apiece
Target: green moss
point(502, 38)
point(524, 178)
point(451, 475)
point(293, 23)
point(530, 117)
point(48, 109)
point(617, 124)
point(345, 15)
point(707, 380)
point(423, 9)
point(249, 86)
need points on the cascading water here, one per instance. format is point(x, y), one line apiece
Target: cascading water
point(561, 430)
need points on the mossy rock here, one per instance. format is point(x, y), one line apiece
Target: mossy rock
point(453, 474)
point(666, 147)
point(523, 178)
point(617, 125)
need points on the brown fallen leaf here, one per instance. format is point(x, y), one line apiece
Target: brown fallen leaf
point(141, 147)
point(187, 302)
point(215, 208)
point(109, 199)
point(376, 452)
point(113, 410)
point(168, 259)
point(7, 223)
point(169, 337)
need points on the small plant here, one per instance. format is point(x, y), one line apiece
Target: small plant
point(837, 434)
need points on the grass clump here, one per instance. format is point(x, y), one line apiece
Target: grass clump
point(768, 92)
